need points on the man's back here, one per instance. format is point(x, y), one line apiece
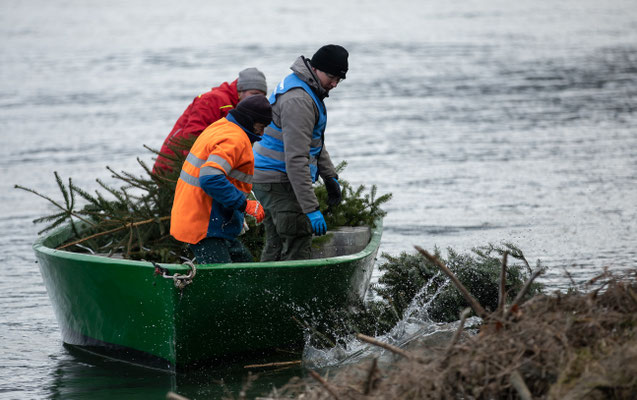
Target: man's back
point(204, 110)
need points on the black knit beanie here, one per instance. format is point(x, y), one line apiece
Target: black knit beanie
point(331, 59)
point(251, 110)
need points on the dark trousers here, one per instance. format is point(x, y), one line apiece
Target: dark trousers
point(288, 233)
point(212, 250)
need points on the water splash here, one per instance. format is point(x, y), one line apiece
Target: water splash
point(414, 324)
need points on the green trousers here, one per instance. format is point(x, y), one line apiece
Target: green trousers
point(288, 233)
point(212, 250)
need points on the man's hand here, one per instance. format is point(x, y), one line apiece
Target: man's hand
point(319, 227)
point(333, 192)
point(254, 208)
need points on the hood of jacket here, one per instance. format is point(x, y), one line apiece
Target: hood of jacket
point(302, 68)
point(229, 90)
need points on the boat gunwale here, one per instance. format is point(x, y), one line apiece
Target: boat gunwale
point(372, 246)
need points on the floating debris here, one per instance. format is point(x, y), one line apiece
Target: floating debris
point(573, 345)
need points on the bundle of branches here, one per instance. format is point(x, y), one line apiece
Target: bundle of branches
point(357, 208)
point(411, 283)
point(412, 278)
point(574, 345)
point(133, 223)
point(133, 220)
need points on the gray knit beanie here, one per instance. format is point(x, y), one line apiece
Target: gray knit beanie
point(251, 78)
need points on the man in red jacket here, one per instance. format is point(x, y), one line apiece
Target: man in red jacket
point(208, 108)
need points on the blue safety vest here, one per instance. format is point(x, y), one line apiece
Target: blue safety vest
point(268, 153)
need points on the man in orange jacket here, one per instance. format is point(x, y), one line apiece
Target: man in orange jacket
point(208, 108)
point(216, 178)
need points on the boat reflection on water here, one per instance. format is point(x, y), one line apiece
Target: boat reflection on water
point(82, 375)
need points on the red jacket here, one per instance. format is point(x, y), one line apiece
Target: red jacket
point(203, 111)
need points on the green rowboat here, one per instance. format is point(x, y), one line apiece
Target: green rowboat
point(173, 320)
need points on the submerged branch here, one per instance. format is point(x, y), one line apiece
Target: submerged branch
point(323, 382)
point(456, 335)
point(273, 364)
point(383, 345)
point(523, 291)
point(503, 278)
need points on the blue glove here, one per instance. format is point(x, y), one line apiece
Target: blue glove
point(319, 227)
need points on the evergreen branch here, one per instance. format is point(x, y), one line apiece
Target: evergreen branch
point(131, 205)
point(72, 194)
point(156, 178)
point(147, 207)
point(53, 225)
point(106, 205)
point(517, 253)
point(50, 218)
point(68, 212)
point(140, 240)
point(156, 152)
point(87, 196)
point(341, 166)
point(166, 179)
point(384, 198)
point(129, 178)
point(164, 182)
point(63, 189)
point(129, 225)
point(112, 191)
point(130, 241)
point(135, 178)
point(40, 195)
point(117, 246)
point(144, 166)
point(373, 193)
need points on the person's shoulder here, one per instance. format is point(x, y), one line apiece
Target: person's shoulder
point(237, 139)
point(232, 130)
point(226, 88)
point(296, 94)
point(222, 91)
point(204, 98)
point(297, 100)
point(223, 131)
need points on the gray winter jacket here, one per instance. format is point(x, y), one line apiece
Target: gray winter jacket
point(296, 113)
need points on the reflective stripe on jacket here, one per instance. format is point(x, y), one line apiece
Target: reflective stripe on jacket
point(222, 149)
point(269, 152)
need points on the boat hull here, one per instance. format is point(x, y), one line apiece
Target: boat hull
point(122, 309)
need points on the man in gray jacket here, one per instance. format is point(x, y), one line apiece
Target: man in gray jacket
point(292, 155)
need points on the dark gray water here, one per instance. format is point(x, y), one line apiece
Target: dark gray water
point(489, 121)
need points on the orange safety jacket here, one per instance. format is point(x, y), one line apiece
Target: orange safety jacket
point(222, 148)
